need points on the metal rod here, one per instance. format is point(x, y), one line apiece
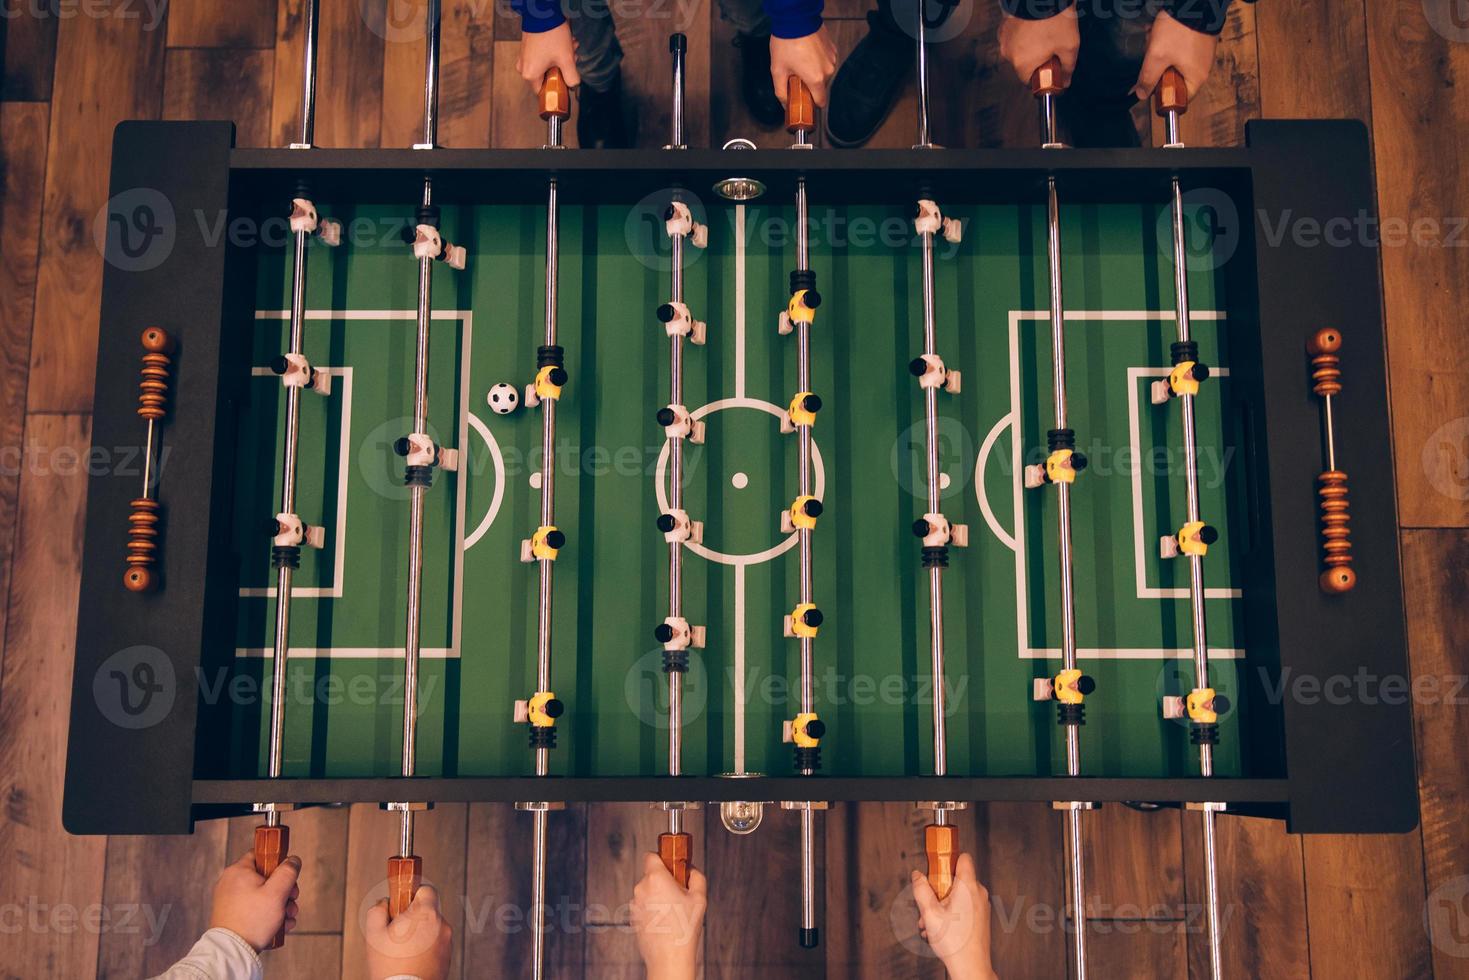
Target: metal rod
point(1076, 864)
point(431, 78)
point(675, 491)
point(678, 45)
point(1195, 562)
point(308, 77)
point(538, 896)
point(935, 572)
point(804, 545)
point(920, 34)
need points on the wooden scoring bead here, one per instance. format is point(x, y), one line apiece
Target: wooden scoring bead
point(942, 845)
point(1336, 535)
point(676, 850)
point(142, 546)
point(800, 107)
point(1325, 364)
point(1047, 79)
point(405, 874)
point(1171, 95)
point(153, 389)
point(554, 95)
point(272, 844)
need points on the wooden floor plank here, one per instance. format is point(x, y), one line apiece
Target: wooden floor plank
point(28, 54)
point(319, 839)
point(1438, 614)
point(1417, 90)
point(467, 73)
point(755, 898)
point(647, 68)
point(47, 870)
point(1134, 863)
point(169, 879)
point(221, 83)
point(107, 69)
point(498, 890)
point(212, 24)
point(23, 163)
point(1313, 60)
point(372, 837)
point(1017, 851)
point(1136, 950)
point(1262, 892)
point(1218, 115)
point(1364, 896)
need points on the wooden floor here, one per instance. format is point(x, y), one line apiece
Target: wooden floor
point(1329, 907)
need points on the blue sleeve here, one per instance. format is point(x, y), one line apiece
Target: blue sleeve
point(538, 16)
point(794, 18)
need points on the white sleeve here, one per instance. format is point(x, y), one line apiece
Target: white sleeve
point(218, 955)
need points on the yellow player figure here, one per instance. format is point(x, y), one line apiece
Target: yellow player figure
point(804, 621)
point(1072, 686)
point(1184, 379)
point(546, 543)
point(1204, 706)
point(806, 730)
point(804, 512)
point(544, 709)
point(801, 411)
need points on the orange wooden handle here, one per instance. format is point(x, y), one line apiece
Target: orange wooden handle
point(1171, 95)
point(942, 845)
point(677, 850)
point(272, 844)
point(1047, 78)
point(555, 97)
point(405, 874)
point(800, 107)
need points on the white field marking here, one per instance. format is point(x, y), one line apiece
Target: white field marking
point(739, 301)
point(1139, 538)
point(339, 532)
point(739, 481)
point(457, 617)
point(499, 497)
point(979, 489)
point(1021, 600)
point(535, 480)
point(660, 478)
point(739, 670)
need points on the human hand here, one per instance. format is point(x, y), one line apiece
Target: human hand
point(254, 907)
point(958, 928)
point(1172, 45)
point(668, 920)
point(1028, 44)
point(545, 50)
point(812, 59)
point(415, 944)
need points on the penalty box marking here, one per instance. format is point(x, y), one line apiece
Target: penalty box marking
point(1016, 542)
point(466, 318)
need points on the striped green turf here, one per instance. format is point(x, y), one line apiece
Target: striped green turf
point(344, 715)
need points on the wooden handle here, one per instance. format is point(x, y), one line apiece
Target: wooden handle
point(800, 107)
point(942, 845)
point(554, 95)
point(1047, 78)
point(272, 844)
point(1171, 95)
point(405, 874)
point(677, 850)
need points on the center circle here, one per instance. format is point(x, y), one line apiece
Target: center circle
point(660, 477)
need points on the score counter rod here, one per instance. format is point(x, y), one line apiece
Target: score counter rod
point(1324, 347)
point(1171, 100)
point(272, 839)
point(1062, 464)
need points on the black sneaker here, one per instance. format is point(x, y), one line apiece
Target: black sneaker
point(605, 119)
point(755, 83)
point(867, 84)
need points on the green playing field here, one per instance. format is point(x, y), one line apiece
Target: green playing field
point(1002, 607)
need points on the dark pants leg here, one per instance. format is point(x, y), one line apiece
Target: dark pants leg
point(598, 55)
point(1097, 108)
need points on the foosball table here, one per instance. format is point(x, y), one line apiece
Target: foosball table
point(693, 476)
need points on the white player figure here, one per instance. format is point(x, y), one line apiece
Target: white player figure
point(679, 322)
point(937, 532)
point(679, 220)
point(429, 244)
point(503, 398)
point(419, 449)
point(290, 532)
point(679, 424)
point(930, 221)
point(677, 528)
point(304, 219)
point(297, 372)
point(930, 371)
point(675, 633)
